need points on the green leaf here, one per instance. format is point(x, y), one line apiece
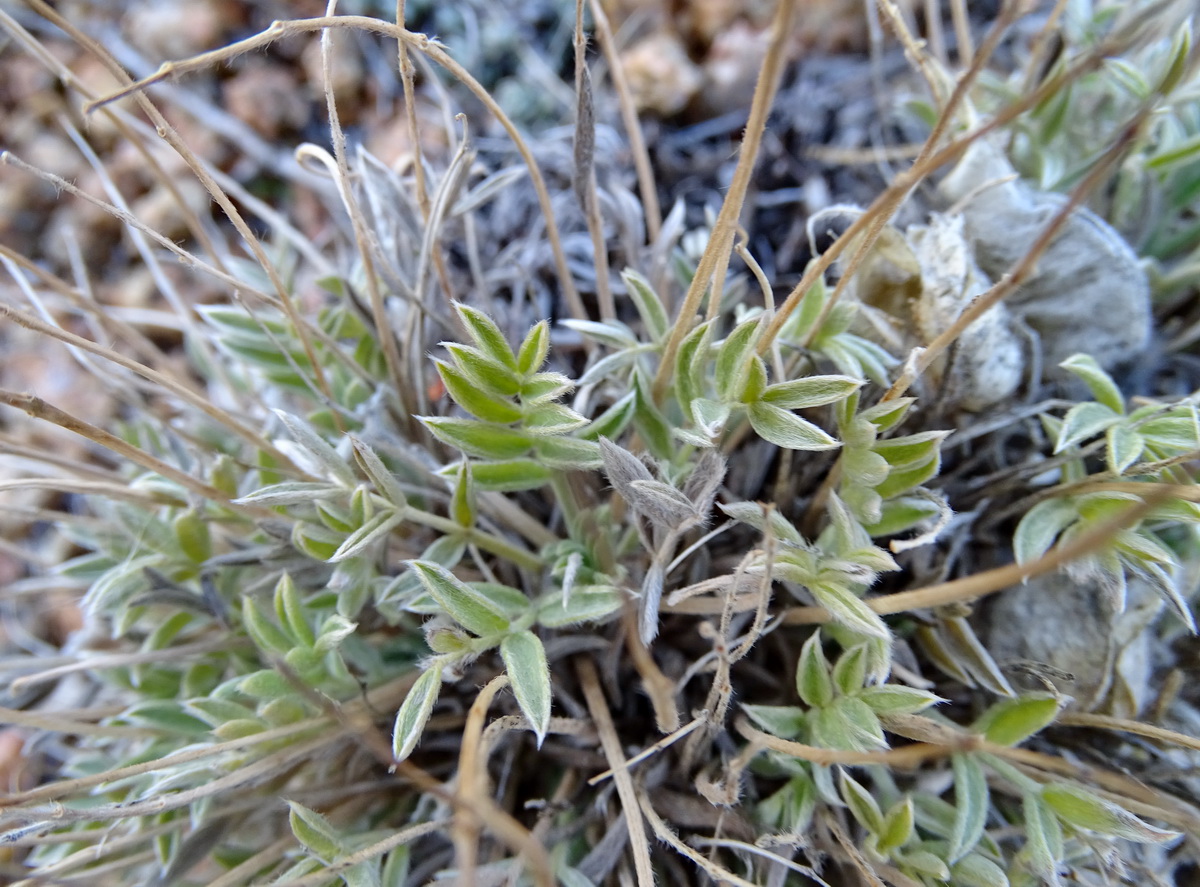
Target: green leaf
point(1103, 388)
point(587, 603)
point(974, 870)
point(903, 513)
point(1178, 154)
point(290, 611)
point(864, 723)
point(1171, 433)
point(290, 493)
point(568, 453)
point(1082, 421)
point(319, 449)
point(784, 721)
point(862, 805)
point(851, 670)
point(543, 387)
point(414, 712)
point(613, 421)
point(650, 422)
point(507, 477)
point(533, 350)
point(1041, 525)
point(689, 366)
point(847, 724)
point(166, 716)
point(396, 869)
point(545, 419)
point(238, 729)
point(1181, 47)
point(475, 399)
point(911, 450)
point(529, 672)
point(814, 391)
point(1077, 806)
point(863, 466)
point(385, 482)
point(649, 307)
point(266, 684)
point(462, 497)
point(512, 602)
point(335, 629)
point(845, 608)
point(897, 827)
point(465, 605)
point(481, 439)
point(971, 802)
point(491, 375)
point(265, 633)
point(1129, 77)
point(1043, 838)
point(612, 366)
point(487, 335)
point(314, 832)
point(888, 414)
point(1011, 721)
point(784, 429)
point(614, 333)
point(756, 515)
point(756, 382)
point(813, 682)
point(192, 534)
point(374, 530)
point(710, 415)
point(893, 699)
point(924, 862)
point(363, 874)
point(215, 711)
point(734, 356)
point(901, 480)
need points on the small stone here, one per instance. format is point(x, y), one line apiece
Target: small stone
point(661, 76)
point(1064, 622)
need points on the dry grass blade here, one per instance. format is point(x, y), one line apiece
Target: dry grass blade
point(628, 793)
point(472, 783)
point(420, 42)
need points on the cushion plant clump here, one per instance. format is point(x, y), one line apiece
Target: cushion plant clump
point(455, 517)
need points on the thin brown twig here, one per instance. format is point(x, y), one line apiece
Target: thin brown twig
point(663, 743)
point(716, 254)
point(633, 127)
point(187, 395)
point(905, 756)
point(472, 784)
point(1124, 725)
point(384, 332)
point(718, 873)
point(40, 409)
point(610, 742)
point(657, 685)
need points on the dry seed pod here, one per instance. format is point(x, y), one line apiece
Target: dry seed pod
point(987, 363)
point(925, 279)
point(1089, 293)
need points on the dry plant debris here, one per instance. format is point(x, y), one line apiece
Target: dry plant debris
point(445, 512)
